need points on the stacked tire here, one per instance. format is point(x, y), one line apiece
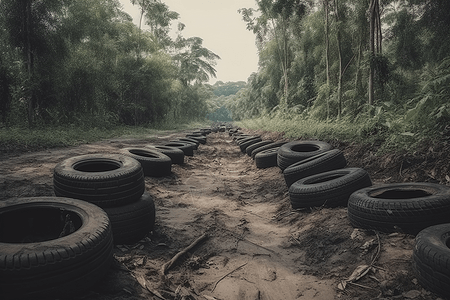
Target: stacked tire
point(52, 247)
point(113, 182)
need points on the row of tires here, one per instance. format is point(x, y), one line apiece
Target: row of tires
point(57, 246)
point(316, 175)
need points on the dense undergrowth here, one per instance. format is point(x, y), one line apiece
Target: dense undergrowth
point(368, 131)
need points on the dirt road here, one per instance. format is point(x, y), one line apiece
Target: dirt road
point(257, 248)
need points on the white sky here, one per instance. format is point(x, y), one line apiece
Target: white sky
point(221, 27)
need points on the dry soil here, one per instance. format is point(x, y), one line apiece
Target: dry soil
point(256, 247)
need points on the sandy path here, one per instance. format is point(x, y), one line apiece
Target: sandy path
point(224, 194)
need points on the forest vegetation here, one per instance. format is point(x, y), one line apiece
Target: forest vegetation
point(84, 63)
point(375, 69)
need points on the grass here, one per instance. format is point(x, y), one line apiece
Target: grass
point(19, 139)
point(306, 129)
point(363, 132)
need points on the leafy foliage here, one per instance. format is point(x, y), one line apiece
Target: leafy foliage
point(323, 73)
point(84, 63)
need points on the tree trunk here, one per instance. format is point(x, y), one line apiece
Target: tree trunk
point(327, 42)
point(372, 50)
point(29, 53)
point(338, 37)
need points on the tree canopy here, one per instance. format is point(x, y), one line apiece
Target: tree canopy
point(379, 60)
point(83, 62)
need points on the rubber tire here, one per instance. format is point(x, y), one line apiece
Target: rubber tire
point(250, 148)
point(185, 147)
point(115, 180)
point(431, 258)
point(244, 139)
point(266, 147)
point(55, 267)
point(406, 207)
point(131, 223)
point(200, 139)
point(331, 189)
point(199, 132)
point(267, 158)
point(205, 131)
point(243, 146)
point(175, 154)
point(193, 144)
point(154, 163)
point(295, 151)
point(323, 162)
point(190, 140)
point(232, 131)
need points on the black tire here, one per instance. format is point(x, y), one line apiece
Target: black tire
point(190, 140)
point(238, 134)
point(238, 139)
point(52, 247)
point(256, 145)
point(205, 131)
point(154, 163)
point(266, 147)
point(192, 143)
point(243, 146)
point(267, 158)
point(405, 207)
point(200, 139)
point(201, 133)
point(130, 223)
point(431, 259)
point(295, 151)
point(232, 131)
point(331, 189)
point(186, 147)
point(244, 139)
point(323, 162)
point(175, 154)
point(103, 179)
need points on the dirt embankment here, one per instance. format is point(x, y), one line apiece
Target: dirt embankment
point(257, 248)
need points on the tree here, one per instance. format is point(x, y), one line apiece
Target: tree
point(195, 62)
point(158, 17)
point(33, 27)
point(374, 44)
point(275, 20)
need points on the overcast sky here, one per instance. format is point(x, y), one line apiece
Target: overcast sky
point(221, 27)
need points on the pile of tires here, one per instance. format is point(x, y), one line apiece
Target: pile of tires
point(317, 175)
point(264, 152)
point(113, 182)
point(52, 247)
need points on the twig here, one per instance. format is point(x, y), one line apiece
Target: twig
point(215, 284)
point(377, 254)
point(168, 264)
